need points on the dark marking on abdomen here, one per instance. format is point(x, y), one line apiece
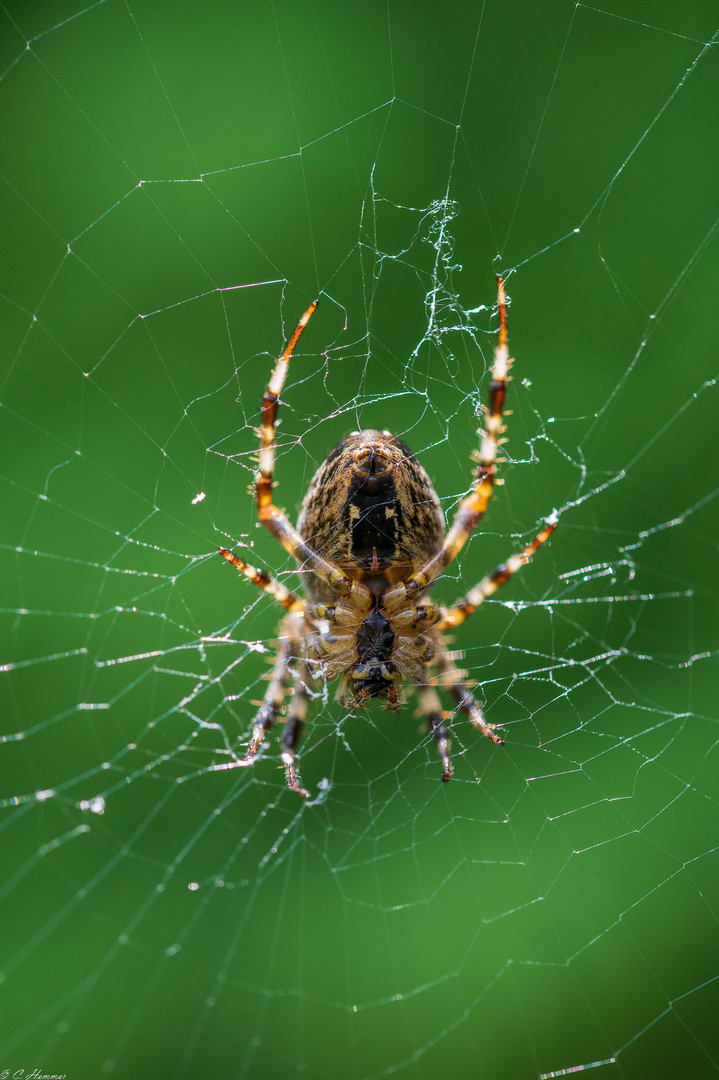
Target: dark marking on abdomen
point(374, 517)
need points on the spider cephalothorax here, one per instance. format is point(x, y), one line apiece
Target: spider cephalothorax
point(371, 542)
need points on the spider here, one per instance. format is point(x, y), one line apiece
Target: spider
point(371, 542)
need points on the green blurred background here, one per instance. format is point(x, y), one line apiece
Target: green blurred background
point(179, 180)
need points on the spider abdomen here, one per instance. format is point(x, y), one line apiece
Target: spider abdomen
point(371, 509)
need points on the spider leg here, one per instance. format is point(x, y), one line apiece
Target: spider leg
point(296, 714)
point(275, 588)
point(431, 708)
point(270, 516)
point(453, 680)
point(471, 510)
point(465, 607)
point(272, 702)
point(264, 480)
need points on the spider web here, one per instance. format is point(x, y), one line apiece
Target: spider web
point(178, 182)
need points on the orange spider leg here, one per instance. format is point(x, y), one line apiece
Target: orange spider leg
point(431, 708)
point(453, 680)
point(471, 510)
point(296, 715)
point(291, 638)
point(258, 577)
point(273, 518)
point(465, 607)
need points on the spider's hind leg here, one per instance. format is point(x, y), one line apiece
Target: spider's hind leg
point(274, 519)
point(471, 509)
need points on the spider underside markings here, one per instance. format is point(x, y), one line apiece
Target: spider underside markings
point(371, 542)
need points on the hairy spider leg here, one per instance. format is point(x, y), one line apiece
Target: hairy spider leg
point(471, 510)
point(296, 715)
point(272, 518)
point(455, 615)
point(453, 680)
point(431, 708)
point(289, 648)
point(275, 588)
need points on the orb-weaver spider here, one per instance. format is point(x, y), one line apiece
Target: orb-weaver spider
point(371, 543)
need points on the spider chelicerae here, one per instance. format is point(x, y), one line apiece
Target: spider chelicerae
point(371, 542)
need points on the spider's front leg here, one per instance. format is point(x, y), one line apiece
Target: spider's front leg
point(296, 715)
point(291, 646)
point(453, 680)
point(431, 709)
point(430, 706)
